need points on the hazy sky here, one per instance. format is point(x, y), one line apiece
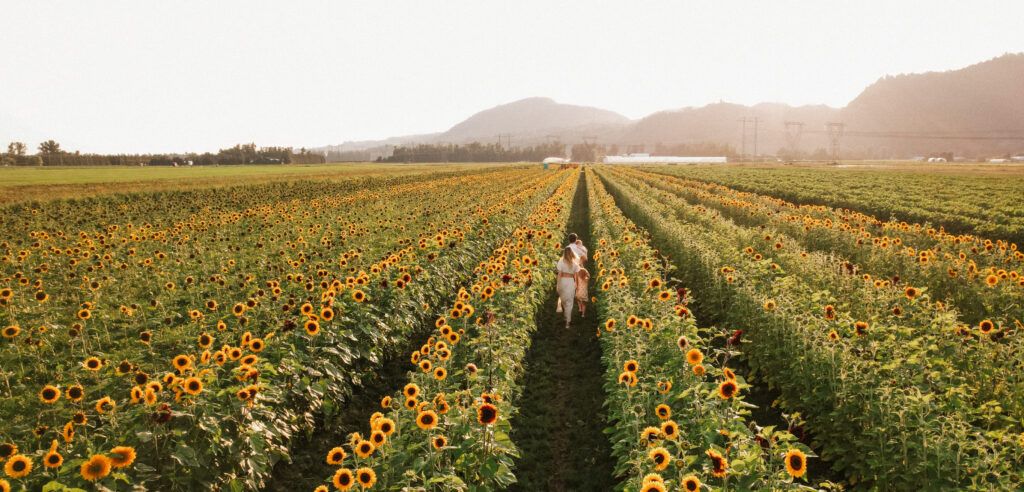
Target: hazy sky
point(139, 76)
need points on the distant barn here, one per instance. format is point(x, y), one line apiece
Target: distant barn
point(647, 158)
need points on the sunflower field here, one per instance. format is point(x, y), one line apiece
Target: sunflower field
point(745, 336)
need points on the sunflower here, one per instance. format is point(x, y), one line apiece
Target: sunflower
point(796, 463)
point(182, 362)
point(440, 373)
point(326, 314)
point(122, 456)
point(378, 438)
point(719, 464)
point(664, 386)
point(670, 429)
point(123, 368)
point(321, 488)
point(727, 389)
point(53, 459)
point(193, 386)
point(343, 479)
point(11, 331)
point(694, 357)
point(439, 442)
point(832, 335)
point(68, 431)
point(7, 449)
point(311, 327)
point(991, 280)
point(627, 378)
point(249, 360)
point(663, 411)
point(84, 314)
point(366, 477)
point(49, 394)
point(205, 341)
point(665, 295)
point(487, 414)
point(358, 295)
point(910, 292)
point(425, 365)
point(385, 402)
point(256, 345)
point(18, 466)
point(860, 328)
point(897, 311)
point(632, 320)
point(105, 405)
point(411, 403)
point(93, 364)
point(364, 448)
point(631, 366)
point(653, 486)
point(830, 312)
point(610, 324)
point(426, 420)
point(660, 457)
point(41, 296)
point(729, 374)
point(335, 456)
point(691, 484)
point(986, 326)
point(699, 370)
point(411, 390)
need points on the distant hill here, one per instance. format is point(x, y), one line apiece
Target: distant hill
point(896, 117)
point(982, 100)
point(532, 119)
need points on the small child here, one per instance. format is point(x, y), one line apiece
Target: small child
point(582, 278)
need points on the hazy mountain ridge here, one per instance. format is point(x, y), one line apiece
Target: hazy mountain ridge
point(984, 99)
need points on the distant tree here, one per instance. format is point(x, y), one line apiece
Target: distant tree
point(583, 153)
point(35, 160)
point(49, 147)
point(16, 148)
point(7, 161)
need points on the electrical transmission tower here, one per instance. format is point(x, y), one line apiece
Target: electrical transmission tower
point(743, 141)
point(793, 131)
point(835, 131)
point(508, 140)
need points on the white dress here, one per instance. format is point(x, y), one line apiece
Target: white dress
point(581, 251)
point(567, 287)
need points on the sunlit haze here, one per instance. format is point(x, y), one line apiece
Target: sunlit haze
point(138, 77)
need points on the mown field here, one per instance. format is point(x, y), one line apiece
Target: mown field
point(394, 329)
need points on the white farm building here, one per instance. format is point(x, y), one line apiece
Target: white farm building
point(647, 158)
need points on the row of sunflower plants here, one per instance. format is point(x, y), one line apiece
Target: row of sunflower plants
point(869, 366)
point(995, 311)
point(680, 420)
point(976, 275)
point(207, 344)
point(975, 203)
point(448, 429)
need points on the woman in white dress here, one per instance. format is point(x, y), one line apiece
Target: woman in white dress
point(567, 268)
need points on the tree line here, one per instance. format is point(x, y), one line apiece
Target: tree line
point(51, 154)
point(472, 152)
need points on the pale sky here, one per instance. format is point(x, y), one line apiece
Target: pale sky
point(138, 76)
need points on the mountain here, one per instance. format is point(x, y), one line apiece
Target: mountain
point(982, 100)
point(964, 111)
point(532, 119)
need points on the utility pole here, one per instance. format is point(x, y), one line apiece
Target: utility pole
point(835, 130)
point(507, 137)
point(743, 139)
point(756, 119)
